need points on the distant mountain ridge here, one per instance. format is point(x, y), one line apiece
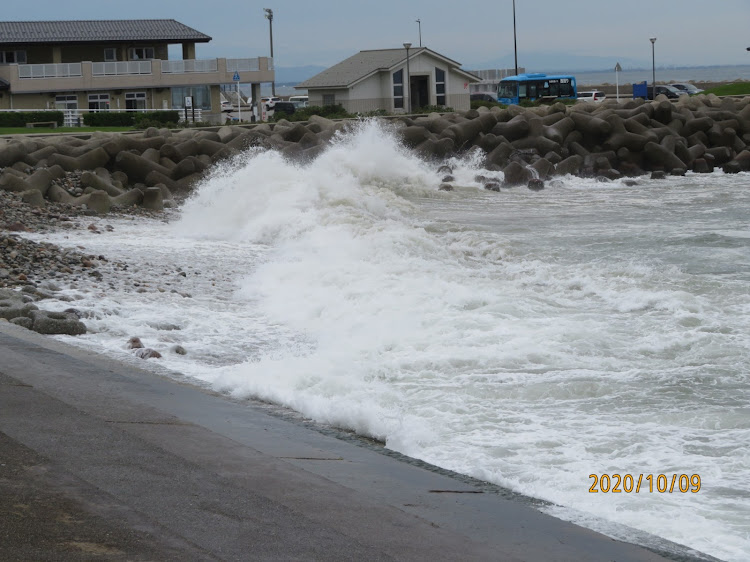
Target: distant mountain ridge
point(559, 62)
point(532, 62)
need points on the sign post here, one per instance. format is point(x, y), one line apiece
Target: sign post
point(188, 105)
point(618, 69)
point(236, 78)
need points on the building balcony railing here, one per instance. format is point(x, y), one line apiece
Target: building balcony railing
point(61, 77)
point(64, 70)
point(183, 66)
point(121, 68)
point(246, 65)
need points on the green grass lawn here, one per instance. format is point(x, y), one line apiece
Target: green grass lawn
point(37, 130)
point(735, 89)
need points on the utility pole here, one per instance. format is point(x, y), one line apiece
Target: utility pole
point(515, 44)
point(269, 16)
point(653, 69)
point(407, 46)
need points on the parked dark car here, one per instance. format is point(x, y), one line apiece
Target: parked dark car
point(482, 97)
point(669, 91)
point(687, 88)
point(284, 107)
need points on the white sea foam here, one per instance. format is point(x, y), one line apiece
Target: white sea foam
point(529, 339)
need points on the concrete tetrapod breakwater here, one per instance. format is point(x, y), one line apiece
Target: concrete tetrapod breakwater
point(606, 140)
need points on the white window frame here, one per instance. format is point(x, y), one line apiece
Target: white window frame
point(136, 97)
point(398, 101)
point(66, 102)
point(101, 100)
point(141, 53)
point(19, 57)
point(110, 54)
point(443, 83)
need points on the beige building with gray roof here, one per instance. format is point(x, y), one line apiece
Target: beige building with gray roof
point(115, 65)
point(373, 80)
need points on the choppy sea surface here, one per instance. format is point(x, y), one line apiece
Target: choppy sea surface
point(530, 339)
point(666, 75)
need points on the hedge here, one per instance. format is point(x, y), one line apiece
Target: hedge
point(129, 118)
point(161, 117)
point(20, 118)
point(303, 114)
point(107, 119)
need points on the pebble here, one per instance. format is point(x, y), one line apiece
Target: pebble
point(24, 262)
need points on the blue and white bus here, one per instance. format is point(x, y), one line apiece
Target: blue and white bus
point(515, 89)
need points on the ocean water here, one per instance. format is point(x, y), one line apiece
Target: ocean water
point(529, 339)
point(665, 75)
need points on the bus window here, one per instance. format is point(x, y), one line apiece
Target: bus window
point(522, 91)
point(507, 90)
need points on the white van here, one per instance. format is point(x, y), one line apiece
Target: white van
point(299, 101)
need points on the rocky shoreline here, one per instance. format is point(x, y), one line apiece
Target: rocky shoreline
point(57, 181)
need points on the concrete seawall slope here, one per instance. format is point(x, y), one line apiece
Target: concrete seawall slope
point(101, 460)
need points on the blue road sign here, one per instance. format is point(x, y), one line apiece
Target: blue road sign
point(236, 76)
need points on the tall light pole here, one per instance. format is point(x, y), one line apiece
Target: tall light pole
point(653, 69)
point(515, 44)
point(407, 81)
point(269, 16)
point(419, 22)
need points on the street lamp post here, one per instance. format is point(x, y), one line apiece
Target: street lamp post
point(407, 81)
point(419, 23)
point(515, 44)
point(269, 16)
point(653, 69)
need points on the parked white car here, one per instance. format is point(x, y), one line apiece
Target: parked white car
point(270, 101)
point(593, 95)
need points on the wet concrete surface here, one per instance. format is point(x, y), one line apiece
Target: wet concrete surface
point(100, 460)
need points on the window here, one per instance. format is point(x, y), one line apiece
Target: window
point(66, 102)
point(398, 89)
point(329, 99)
point(201, 97)
point(507, 90)
point(135, 100)
point(98, 102)
point(141, 53)
point(10, 57)
point(110, 55)
point(439, 86)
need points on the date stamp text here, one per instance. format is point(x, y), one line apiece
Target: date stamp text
point(646, 483)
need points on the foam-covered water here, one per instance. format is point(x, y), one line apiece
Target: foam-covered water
point(525, 338)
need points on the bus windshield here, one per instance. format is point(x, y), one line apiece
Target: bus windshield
point(507, 89)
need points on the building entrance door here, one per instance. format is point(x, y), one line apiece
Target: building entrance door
point(420, 91)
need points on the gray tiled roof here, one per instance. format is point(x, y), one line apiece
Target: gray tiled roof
point(98, 31)
point(356, 67)
point(365, 63)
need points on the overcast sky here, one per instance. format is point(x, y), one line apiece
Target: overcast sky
point(689, 32)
